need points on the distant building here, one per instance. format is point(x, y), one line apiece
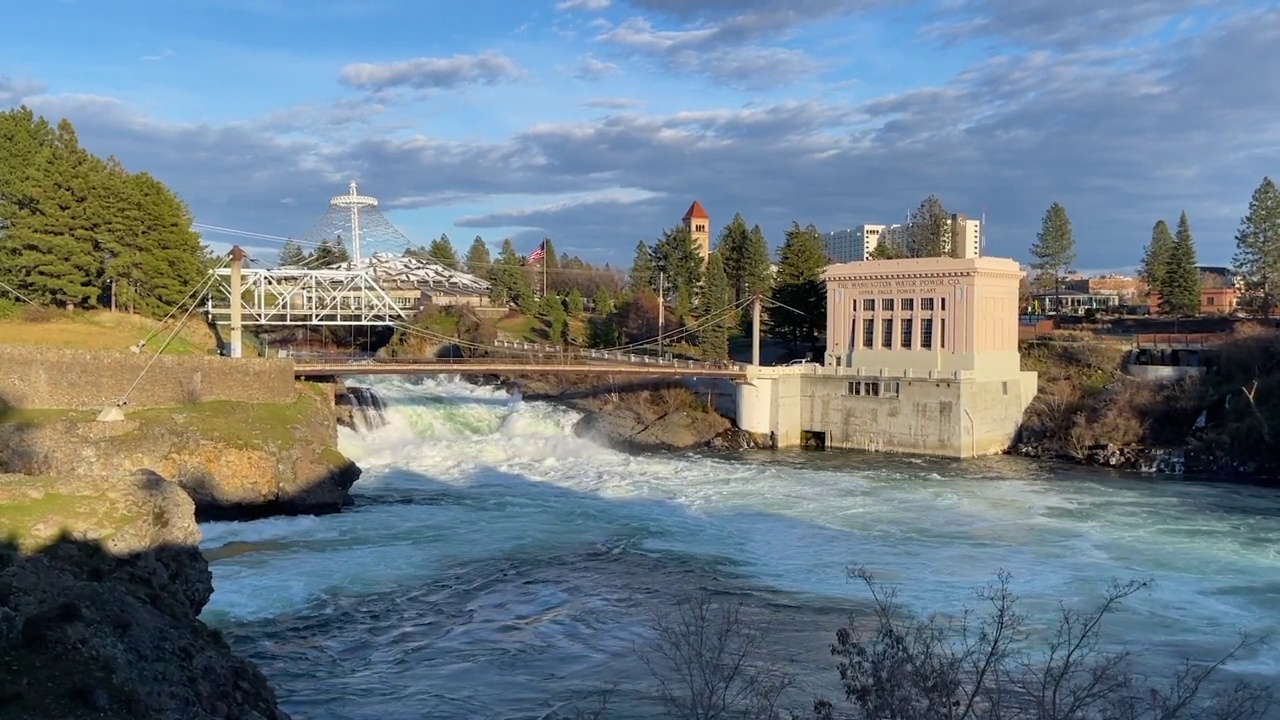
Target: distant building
point(965, 240)
point(1128, 290)
point(1073, 302)
point(1213, 301)
point(698, 223)
point(413, 283)
point(852, 244)
point(856, 244)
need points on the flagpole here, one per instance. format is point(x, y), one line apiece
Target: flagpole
point(544, 268)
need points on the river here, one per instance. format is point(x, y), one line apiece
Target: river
point(495, 566)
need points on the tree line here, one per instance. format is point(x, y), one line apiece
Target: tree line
point(81, 231)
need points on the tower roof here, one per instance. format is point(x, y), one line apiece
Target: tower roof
point(696, 211)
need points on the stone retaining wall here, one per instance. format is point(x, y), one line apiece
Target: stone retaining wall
point(48, 378)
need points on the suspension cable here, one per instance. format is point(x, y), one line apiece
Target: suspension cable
point(125, 398)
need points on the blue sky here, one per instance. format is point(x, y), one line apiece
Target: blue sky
point(597, 122)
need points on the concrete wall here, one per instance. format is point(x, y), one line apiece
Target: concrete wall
point(923, 419)
point(1162, 373)
point(41, 378)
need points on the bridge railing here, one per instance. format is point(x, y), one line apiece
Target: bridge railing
point(588, 354)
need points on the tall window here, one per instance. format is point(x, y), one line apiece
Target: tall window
point(908, 304)
point(942, 329)
point(868, 333)
point(926, 304)
point(905, 327)
point(886, 333)
point(886, 304)
point(943, 300)
point(869, 304)
point(926, 334)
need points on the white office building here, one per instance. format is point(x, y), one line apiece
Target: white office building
point(852, 244)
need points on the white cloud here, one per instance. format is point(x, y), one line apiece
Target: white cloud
point(583, 4)
point(592, 69)
point(433, 72)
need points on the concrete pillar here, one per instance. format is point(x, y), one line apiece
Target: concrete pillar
point(237, 261)
point(755, 331)
point(755, 405)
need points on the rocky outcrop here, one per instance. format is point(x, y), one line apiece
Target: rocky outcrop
point(633, 416)
point(236, 460)
point(101, 587)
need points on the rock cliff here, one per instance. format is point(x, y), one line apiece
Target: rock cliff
point(236, 460)
point(101, 586)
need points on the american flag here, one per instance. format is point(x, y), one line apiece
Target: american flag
point(540, 253)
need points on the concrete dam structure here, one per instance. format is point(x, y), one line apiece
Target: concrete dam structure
point(922, 357)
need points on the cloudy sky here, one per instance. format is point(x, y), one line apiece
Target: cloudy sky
point(597, 122)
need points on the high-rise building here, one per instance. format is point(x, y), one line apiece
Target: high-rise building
point(966, 237)
point(852, 244)
point(698, 223)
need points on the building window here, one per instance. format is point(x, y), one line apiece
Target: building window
point(886, 334)
point(1005, 387)
point(868, 333)
point(886, 304)
point(890, 388)
point(944, 304)
point(908, 304)
point(926, 334)
point(905, 326)
point(869, 305)
point(872, 388)
point(942, 331)
point(926, 304)
point(1209, 300)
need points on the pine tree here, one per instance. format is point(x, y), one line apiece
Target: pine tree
point(799, 312)
point(1054, 251)
point(756, 275)
point(1155, 259)
point(441, 251)
point(1257, 259)
point(602, 303)
point(643, 274)
point(732, 247)
point(713, 338)
point(328, 253)
point(1181, 292)
point(928, 232)
point(677, 259)
point(291, 254)
point(478, 260)
point(508, 276)
point(573, 303)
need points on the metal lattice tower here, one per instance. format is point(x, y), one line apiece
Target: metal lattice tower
point(357, 217)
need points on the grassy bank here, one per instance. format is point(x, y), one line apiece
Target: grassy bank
point(1086, 402)
point(99, 330)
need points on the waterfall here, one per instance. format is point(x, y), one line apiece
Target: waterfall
point(365, 410)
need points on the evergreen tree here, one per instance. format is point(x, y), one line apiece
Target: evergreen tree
point(478, 260)
point(713, 338)
point(574, 304)
point(510, 283)
point(1181, 292)
point(1054, 251)
point(732, 247)
point(602, 302)
point(1155, 258)
point(1257, 259)
point(754, 268)
point(328, 253)
point(677, 259)
point(800, 309)
point(291, 254)
point(928, 232)
point(643, 274)
point(559, 321)
point(441, 250)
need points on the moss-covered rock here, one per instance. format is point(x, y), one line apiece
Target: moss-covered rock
point(236, 460)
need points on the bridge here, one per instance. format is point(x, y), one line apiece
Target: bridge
point(526, 359)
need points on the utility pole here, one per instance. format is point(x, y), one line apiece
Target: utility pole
point(755, 330)
point(662, 308)
point(237, 258)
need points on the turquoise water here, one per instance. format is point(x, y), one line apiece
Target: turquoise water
point(495, 566)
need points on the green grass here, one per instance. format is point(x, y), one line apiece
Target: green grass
point(524, 328)
point(101, 330)
point(31, 524)
point(245, 425)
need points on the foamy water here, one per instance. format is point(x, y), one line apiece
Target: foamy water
point(496, 566)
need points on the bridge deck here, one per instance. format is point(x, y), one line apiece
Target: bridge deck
point(500, 367)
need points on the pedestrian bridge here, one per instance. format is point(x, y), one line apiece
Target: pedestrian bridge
point(529, 359)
